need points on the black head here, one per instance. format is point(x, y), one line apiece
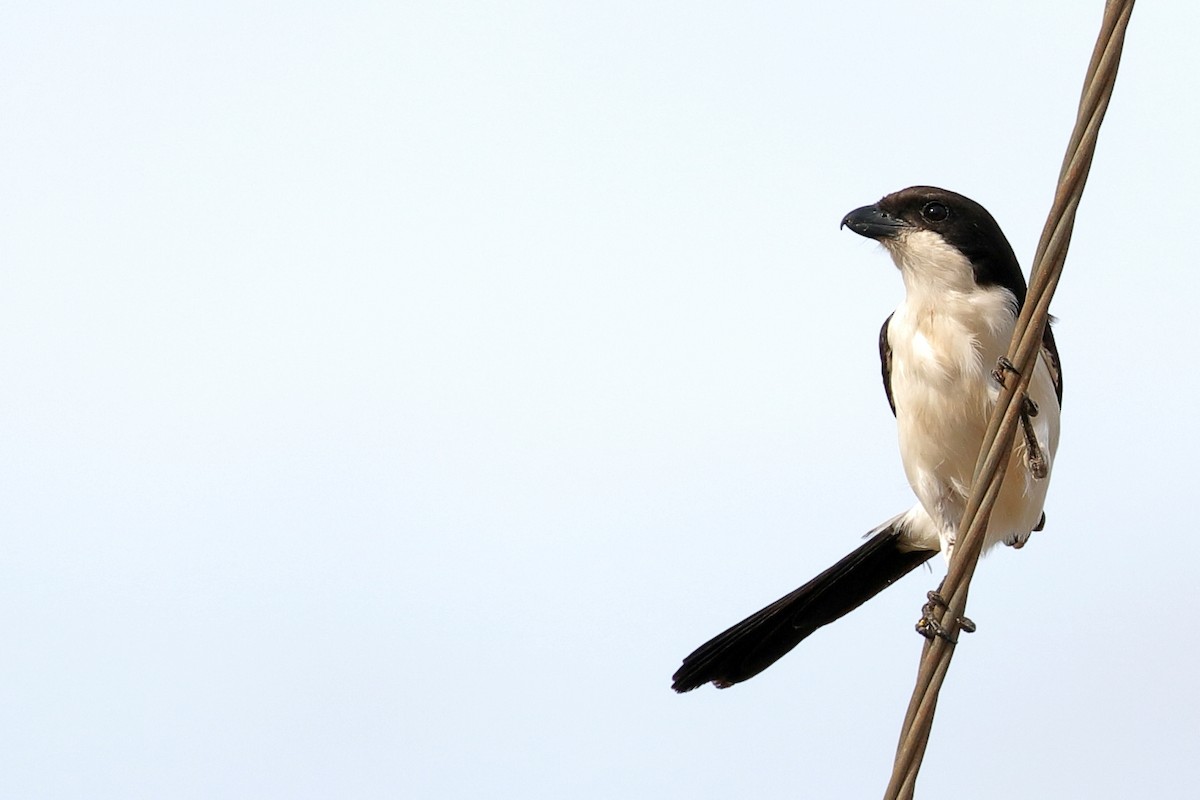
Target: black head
point(961, 222)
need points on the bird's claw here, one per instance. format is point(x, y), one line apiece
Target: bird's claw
point(1003, 367)
point(929, 626)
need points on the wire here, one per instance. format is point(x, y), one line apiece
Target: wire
point(1022, 352)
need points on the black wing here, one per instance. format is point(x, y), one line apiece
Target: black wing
point(1050, 356)
point(885, 361)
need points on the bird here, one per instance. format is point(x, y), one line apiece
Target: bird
point(942, 353)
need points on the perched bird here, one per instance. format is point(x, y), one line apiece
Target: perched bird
point(939, 351)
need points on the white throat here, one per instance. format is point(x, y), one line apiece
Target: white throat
point(929, 265)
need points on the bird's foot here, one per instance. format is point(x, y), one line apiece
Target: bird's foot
point(929, 626)
point(1003, 367)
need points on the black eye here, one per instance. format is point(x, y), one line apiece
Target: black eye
point(935, 211)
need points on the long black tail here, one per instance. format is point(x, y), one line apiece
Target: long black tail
point(763, 638)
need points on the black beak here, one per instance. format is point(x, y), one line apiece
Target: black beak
point(869, 221)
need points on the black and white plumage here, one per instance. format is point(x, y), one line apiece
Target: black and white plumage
point(963, 291)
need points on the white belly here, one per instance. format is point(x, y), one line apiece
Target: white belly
point(942, 360)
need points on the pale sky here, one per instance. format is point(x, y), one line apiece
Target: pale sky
point(394, 393)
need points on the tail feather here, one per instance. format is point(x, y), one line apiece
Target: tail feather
point(764, 637)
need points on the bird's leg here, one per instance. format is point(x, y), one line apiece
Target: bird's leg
point(1033, 451)
point(929, 626)
point(1034, 457)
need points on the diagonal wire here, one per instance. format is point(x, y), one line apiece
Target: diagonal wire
point(1023, 351)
